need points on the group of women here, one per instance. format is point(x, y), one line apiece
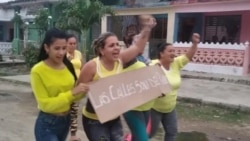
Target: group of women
point(60, 79)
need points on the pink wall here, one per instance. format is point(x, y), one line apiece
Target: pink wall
point(245, 27)
point(245, 23)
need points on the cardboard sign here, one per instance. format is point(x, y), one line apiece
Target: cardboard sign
point(117, 94)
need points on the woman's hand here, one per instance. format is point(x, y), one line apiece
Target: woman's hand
point(195, 38)
point(147, 21)
point(80, 88)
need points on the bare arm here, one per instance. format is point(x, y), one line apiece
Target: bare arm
point(133, 51)
point(87, 72)
point(195, 40)
point(82, 61)
point(81, 57)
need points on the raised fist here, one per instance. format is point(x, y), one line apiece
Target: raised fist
point(195, 38)
point(147, 21)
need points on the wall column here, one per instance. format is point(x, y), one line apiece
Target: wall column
point(104, 24)
point(171, 27)
point(16, 39)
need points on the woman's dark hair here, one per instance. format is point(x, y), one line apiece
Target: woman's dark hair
point(99, 43)
point(129, 40)
point(70, 36)
point(50, 36)
point(160, 48)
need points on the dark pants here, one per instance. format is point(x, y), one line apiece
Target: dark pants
point(109, 131)
point(169, 122)
point(51, 128)
point(137, 122)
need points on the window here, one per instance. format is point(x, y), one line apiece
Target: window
point(1, 32)
point(222, 29)
point(160, 31)
point(125, 25)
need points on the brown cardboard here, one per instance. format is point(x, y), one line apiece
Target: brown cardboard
point(117, 94)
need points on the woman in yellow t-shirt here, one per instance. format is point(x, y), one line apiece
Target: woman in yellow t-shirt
point(109, 62)
point(53, 84)
point(137, 119)
point(164, 107)
point(73, 54)
point(76, 59)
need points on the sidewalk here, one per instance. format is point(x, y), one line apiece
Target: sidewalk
point(245, 80)
point(22, 79)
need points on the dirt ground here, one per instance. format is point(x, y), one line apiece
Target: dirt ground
point(18, 113)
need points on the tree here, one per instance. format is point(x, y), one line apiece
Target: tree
point(18, 22)
point(42, 21)
point(80, 15)
point(17, 18)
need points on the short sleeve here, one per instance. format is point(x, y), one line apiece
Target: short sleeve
point(181, 61)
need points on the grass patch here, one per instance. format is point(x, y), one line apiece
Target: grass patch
point(212, 113)
point(191, 136)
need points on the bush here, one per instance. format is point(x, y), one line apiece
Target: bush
point(30, 54)
point(1, 58)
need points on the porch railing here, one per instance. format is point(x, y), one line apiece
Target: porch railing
point(5, 48)
point(218, 58)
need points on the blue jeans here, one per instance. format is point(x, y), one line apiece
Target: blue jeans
point(137, 122)
point(108, 131)
point(51, 128)
point(169, 122)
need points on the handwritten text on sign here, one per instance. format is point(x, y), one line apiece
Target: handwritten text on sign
point(117, 94)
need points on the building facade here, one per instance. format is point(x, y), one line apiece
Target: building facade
point(15, 33)
point(222, 24)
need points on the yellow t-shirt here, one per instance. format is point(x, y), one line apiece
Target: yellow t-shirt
point(52, 88)
point(102, 72)
point(167, 103)
point(76, 61)
point(148, 105)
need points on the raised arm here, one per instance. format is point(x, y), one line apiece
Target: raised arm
point(147, 22)
point(195, 40)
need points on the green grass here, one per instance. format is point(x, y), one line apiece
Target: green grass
point(183, 136)
point(202, 112)
point(191, 136)
point(212, 113)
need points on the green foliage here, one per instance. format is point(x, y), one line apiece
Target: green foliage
point(17, 18)
point(80, 15)
point(30, 54)
point(41, 21)
point(1, 58)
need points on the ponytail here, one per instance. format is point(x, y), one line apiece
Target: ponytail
point(70, 67)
